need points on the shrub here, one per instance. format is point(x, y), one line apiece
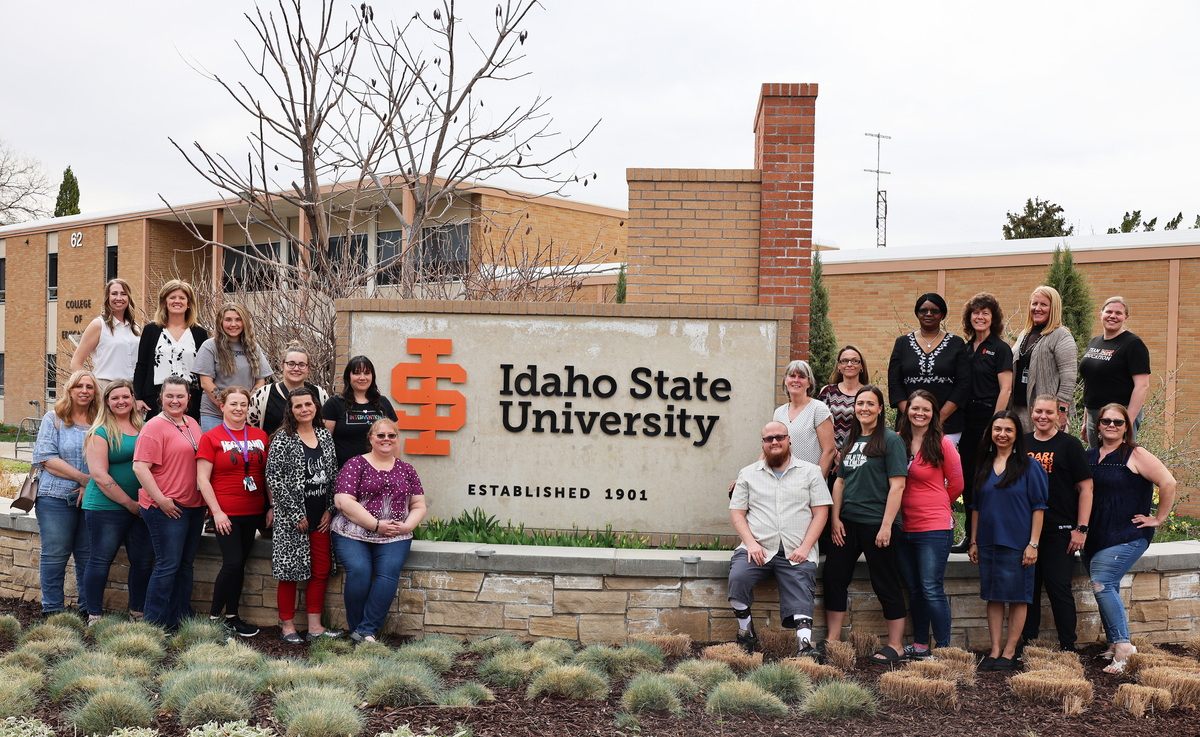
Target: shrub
point(620, 662)
point(179, 687)
point(50, 650)
point(815, 671)
point(840, 655)
point(216, 705)
point(570, 681)
point(196, 630)
point(351, 673)
point(372, 651)
point(325, 648)
point(16, 697)
point(88, 672)
point(46, 632)
point(738, 697)
point(109, 710)
point(112, 626)
point(560, 651)
point(839, 700)
point(707, 674)
point(786, 682)
point(239, 728)
point(445, 643)
point(66, 620)
point(777, 643)
point(626, 723)
point(227, 655)
point(513, 668)
point(24, 660)
point(468, 694)
point(486, 646)
point(675, 646)
point(432, 657)
point(953, 653)
point(326, 720)
point(1137, 700)
point(25, 727)
point(1193, 646)
point(651, 691)
point(1050, 687)
point(402, 684)
point(1184, 685)
point(284, 674)
point(10, 628)
point(1040, 658)
point(732, 655)
point(135, 645)
point(911, 688)
point(865, 643)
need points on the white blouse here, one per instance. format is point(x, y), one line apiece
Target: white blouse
point(116, 352)
point(174, 356)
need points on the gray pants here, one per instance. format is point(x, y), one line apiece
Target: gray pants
point(797, 583)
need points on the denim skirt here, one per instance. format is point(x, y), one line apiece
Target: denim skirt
point(1002, 578)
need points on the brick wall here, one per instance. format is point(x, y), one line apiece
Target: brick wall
point(25, 334)
point(176, 254)
point(583, 230)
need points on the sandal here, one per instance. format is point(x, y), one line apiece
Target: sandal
point(886, 656)
point(1117, 667)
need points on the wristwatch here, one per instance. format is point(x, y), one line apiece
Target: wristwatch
point(1081, 528)
point(1033, 545)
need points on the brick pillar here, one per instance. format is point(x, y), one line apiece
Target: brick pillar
point(784, 128)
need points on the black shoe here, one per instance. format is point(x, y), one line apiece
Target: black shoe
point(244, 629)
point(292, 638)
point(1020, 649)
point(987, 665)
point(806, 650)
point(747, 639)
point(961, 547)
point(331, 634)
point(1004, 664)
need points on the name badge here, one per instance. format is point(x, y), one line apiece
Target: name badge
point(248, 484)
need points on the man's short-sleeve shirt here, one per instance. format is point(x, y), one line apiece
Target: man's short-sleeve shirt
point(779, 509)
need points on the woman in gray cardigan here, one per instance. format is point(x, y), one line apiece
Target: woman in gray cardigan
point(1045, 358)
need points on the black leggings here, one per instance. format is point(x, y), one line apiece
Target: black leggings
point(235, 549)
point(881, 563)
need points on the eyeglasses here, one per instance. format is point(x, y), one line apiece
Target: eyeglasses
point(295, 365)
point(774, 438)
point(850, 361)
point(1114, 421)
point(387, 435)
point(929, 311)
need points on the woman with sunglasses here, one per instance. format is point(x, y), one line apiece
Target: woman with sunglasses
point(380, 502)
point(1122, 523)
point(932, 359)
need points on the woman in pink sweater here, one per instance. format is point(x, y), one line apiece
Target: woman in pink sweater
point(934, 481)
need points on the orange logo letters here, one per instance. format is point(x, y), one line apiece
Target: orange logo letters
point(428, 396)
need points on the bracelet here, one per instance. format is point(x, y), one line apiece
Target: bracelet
point(973, 544)
point(377, 527)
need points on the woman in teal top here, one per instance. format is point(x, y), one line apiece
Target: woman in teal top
point(110, 502)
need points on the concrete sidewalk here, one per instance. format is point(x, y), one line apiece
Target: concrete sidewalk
point(8, 451)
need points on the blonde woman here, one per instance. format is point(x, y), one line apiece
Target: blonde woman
point(111, 340)
point(231, 358)
point(1045, 359)
point(1115, 369)
point(60, 453)
point(168, 347)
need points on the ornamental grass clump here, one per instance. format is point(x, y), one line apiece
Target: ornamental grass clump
point(48, 632)
point(326, 648)
point(24, 660)
point(51, 650)
point(111, 626)
point(240, 728)
point(674, 646)
point(467, 694)
point(372, 651)
point(134, 645)
point(911, 688)
point(225, 654)
point(432, 657)
point(25, 727)
point(323, 711)
point(400, 683)
point(569, 681)
point(841, 655)
point(445, 643)
point(620, 662)
point(139, 732)
point(1138, 700)
point(651, 692)
point(685, 688)
point(351, 673)
point(732, 655)
point(105, 711)
point(953, 653)
point(560, 651)
point(10, 628)
point(486, 646)
point(1040, 658)
point(1184, 685)
point(1051, 687)
point(865, 643)
point(1193, 647)
point(840, 700)
point(178, 687)
point(707, 674)
point(284, 674)
point(740, 697)
point(777, 643)
point(67, 621)
point(197, 630)
point(513, 668)
point(86, 673)
point(17, 693)
point(1139, 661)
point(815, 671)
point(788, 683)
point(216, 705)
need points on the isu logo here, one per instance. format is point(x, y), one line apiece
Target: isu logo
point(428, 396)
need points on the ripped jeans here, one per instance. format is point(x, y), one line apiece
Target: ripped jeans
point(1106, 568)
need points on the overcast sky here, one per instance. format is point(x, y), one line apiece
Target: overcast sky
point(1092, 105)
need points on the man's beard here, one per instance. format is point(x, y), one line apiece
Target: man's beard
point(778, 458)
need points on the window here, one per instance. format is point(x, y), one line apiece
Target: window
point(444, 250)
point(110, 264)
point(349, 262)
point(250, 273)
point(391, 242)
point(1, 374)
point(51, 376)
point(52, 276)
point(3, 279)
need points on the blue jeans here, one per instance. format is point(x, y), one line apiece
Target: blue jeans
point(922, 561)
point(207, 423)
point(372, 575)
point(63, 534)
point(1107, 567)
point(169, 592)
point(108, 530)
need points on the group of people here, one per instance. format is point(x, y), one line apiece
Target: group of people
point(171, 426)
point(975, 417)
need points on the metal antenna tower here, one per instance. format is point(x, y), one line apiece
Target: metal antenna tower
point(880, 195)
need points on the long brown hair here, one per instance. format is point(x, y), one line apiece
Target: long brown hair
point(226, 361)
point(1127, 442)
point(836, 377)
point(1018, 461)
point(106, 312)
point(877, 442)
point(931, 444)
point(290, 424)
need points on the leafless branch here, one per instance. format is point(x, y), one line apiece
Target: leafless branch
point(24, 187)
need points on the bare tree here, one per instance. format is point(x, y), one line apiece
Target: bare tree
point(24, 187)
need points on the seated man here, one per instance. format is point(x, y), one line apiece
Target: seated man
point(779, 507)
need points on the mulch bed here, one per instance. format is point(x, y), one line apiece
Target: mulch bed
point(987, 709)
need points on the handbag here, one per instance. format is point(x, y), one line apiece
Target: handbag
point(27, 496)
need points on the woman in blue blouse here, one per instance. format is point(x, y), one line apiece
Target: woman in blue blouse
point(60, 452)
point(1010, 499)
point(1124, 475)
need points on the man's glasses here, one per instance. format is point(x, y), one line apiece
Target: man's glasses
point(774, 438)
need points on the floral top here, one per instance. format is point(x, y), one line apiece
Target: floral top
point(385, 494)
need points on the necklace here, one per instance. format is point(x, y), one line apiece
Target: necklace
point(929, 343)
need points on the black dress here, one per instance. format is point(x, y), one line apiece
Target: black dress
point(945, 373)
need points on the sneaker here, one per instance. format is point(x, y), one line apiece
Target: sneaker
point(806, 650)
point(331, 634)
point(747, 639)
point(913, 653)
point(244, 629)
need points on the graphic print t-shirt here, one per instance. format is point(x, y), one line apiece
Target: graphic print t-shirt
point(316, 478)
point(228, 456)
point(351, 424)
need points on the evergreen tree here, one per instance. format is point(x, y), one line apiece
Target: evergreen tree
point(620, 296)
point(1040, 219)
point(822, 344)
point(1078, 310)
point(68, 196)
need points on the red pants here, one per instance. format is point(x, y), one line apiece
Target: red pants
point(314, 592)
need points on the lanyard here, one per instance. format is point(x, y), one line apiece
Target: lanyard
point(243, 450)
point(188, 432)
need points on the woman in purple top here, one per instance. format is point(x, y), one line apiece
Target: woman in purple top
point(380, 502)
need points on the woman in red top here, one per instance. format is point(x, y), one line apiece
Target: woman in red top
point(231, 467)
point(934, 480)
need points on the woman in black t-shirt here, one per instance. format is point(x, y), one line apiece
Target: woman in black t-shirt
point(932, 359)
point(349, 416)
point(1115, 369)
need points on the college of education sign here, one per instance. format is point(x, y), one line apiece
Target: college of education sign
point(580, 415)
